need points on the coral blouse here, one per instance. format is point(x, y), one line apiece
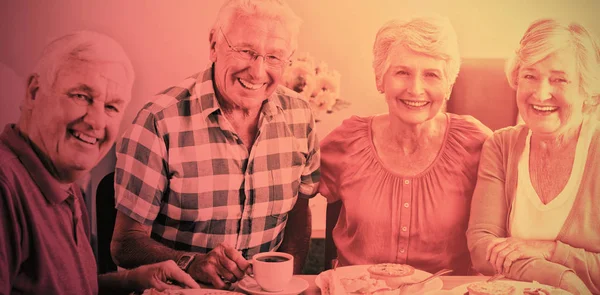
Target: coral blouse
point(419, 220)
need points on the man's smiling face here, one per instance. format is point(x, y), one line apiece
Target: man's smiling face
point(242, 83)
point(75, 120)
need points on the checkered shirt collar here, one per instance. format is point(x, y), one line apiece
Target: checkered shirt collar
point(204, 91)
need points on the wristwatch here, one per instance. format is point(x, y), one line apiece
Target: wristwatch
point(184, 261)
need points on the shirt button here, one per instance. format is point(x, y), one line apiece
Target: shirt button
point(404, 228)
point(402, 250)
point(406, 181)
point(406, 205)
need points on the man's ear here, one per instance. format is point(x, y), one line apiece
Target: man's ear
point(33, 87)
point(212, 40)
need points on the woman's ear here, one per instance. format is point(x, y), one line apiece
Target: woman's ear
point(379, 85)
point(449, 93)
point(33, 87)
point(590, 105)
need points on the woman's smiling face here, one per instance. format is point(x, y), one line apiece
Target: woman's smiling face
point(548, 94)
point(415, 85)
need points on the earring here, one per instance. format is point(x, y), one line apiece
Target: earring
point(591, 102)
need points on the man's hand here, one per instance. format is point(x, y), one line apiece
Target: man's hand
point(502, 252)
point(220, 267)
point(157, 275)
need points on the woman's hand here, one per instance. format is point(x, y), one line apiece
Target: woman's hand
point(572, 283)
point(502, 252)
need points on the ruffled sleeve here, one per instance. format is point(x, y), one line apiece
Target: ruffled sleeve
point(466, 135)
point(346, 144)
point(463, 143)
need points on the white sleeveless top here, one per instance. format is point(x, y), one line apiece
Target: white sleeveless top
point(530, 218)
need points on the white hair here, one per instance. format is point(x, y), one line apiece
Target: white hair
point(86, 46)
point(547, 36)
point(276, 10)
point(430, 35)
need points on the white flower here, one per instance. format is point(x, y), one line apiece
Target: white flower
point(317, 84)
point(327, 89)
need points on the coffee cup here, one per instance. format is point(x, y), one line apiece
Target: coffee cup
point(272, 271)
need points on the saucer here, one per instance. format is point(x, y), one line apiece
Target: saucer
point(295, 286)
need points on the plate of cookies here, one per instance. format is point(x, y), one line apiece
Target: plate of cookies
point(507, 287)
point(374, 279)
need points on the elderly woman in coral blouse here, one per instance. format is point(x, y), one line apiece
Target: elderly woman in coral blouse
point(536, 208)
point(401, 182)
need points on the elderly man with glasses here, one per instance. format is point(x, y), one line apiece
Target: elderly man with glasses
point(221, 166)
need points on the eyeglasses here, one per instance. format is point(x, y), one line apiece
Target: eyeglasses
point(249, 55)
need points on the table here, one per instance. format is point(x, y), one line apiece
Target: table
point(450, 282)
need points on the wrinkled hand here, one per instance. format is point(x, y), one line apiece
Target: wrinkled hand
point(502, 252)
point(219, 267)
point(156, 276)
point(572, 283)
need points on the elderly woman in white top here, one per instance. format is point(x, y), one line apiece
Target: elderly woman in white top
point(536, 208)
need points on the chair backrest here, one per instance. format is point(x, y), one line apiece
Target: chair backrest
point(481, 90)
point(105, 218)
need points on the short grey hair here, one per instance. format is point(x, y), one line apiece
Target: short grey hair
point(430, 35)
point(276, 10)
point(547, 36)
point(86, 46)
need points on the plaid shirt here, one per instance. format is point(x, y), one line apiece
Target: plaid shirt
point(182, 168)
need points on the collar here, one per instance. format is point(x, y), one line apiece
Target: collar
point(23, 149)
point(204, 90)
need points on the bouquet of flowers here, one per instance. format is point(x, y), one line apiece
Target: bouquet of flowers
point(319, 85)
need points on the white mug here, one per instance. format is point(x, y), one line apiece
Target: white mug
point(273, 270)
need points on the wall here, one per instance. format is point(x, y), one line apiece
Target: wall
point(12, 90)
point(167, 40)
